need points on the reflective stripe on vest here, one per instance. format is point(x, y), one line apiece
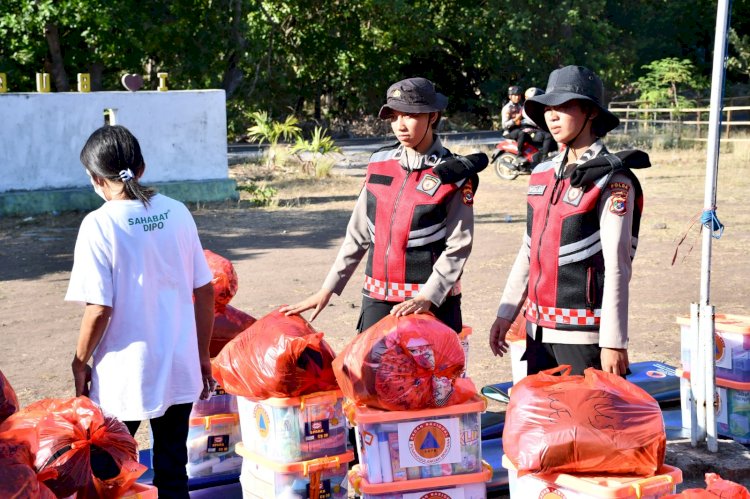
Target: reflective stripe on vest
point(569, 316)
point(377, 289)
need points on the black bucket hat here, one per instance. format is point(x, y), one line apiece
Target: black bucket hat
point(572, 83)
point(413, 95)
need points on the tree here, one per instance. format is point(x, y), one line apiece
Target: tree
point(665, 79)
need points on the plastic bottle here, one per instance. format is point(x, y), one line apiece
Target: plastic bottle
point(369, 448)
point(385, 456)
point(289, 437)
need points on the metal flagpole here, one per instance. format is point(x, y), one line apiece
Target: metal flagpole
point(704, 387)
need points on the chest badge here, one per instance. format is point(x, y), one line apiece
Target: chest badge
point(537, 189)
point(573, 196)
point(429, 185)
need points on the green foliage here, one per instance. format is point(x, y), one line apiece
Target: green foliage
point(260, 194)
point(334, 61)
point(665, 79)
point(318, 148)
point(741, 45)
point(268, 130)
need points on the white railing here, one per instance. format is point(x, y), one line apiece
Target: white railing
point(682, 121)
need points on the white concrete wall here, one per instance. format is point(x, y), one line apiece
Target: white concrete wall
point(182, 135)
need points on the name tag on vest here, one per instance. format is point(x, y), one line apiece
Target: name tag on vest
point(537, 190)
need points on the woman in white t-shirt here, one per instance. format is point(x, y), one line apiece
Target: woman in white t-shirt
point(138, 264)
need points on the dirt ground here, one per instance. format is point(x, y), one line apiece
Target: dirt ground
point(281, 254)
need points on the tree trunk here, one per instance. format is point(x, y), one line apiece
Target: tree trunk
point(58, 66)
point(96, 70)
point(233, 75)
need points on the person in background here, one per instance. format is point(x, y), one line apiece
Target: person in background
point(511, 114)
point(573, 270)
point(531, 132)
point(414, 215)
point(140, 271)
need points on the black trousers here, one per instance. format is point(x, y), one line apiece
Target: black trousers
point(170, 455)
point(374, 310)
point(540, 356)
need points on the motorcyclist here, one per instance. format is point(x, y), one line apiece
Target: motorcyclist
point(530, 132)
point(512, 113)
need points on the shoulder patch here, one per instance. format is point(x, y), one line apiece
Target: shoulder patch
point(618, 204)
point(467, 193)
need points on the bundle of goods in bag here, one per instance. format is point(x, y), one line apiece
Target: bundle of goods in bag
point(224, 281)
point(596, 423)
point(18, 479)
point(8, 399)
point(716, 487)
point(404, 363)
point(89, 454)
point(228, 321)
point(278, 356)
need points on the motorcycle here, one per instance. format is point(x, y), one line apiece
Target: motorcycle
point(508, 165)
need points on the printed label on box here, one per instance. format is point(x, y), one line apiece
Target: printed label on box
point(429, 442)
point(218, 443)
point(317, 430)
point(325, 490)
point(723, 355)
point(436, 494)
point(262, 421)
point(722, 409)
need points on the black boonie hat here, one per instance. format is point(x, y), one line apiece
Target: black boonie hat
point(572, 83)
point(413, 95)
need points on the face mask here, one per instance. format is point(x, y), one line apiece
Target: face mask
point(97, 188)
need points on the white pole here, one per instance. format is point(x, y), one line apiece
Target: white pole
point(706, 328)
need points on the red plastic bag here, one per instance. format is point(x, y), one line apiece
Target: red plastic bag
point(18, 479)
point(596, 423)
point(92, 455)
point(227, 325)
point(725, 488)
point(278, 356)
point(404, 363)
point(224, 281)
point(8, 399)
point(717, 487)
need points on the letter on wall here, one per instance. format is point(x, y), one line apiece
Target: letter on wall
point(42, 83)
point(162, 81)
point(84, 82)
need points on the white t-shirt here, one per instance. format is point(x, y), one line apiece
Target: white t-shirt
point(144, 263)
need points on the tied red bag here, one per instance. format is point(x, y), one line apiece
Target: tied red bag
point(717, 487)
point(8, 399)
point(224, 281)
point(404, 363)
point(227, 325)
point(596, 423)
point(91, 455)
point(18, 479)
point(278, 356)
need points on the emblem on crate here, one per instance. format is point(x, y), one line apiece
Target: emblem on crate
point(720, 346)
point(429, 442)
point(261, 420)
point(550, 493)
point(435, 495)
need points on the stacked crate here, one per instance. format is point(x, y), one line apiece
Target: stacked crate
point(213, 433)
point(294, 447)
point(412, 453)
point(732, 368)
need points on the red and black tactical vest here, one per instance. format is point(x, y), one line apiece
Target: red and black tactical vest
point(406, 216)
point(566, 264)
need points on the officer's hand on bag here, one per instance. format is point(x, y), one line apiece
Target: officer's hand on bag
point(417, 305)
point(615, 361)
point(498, 331)
point(318, 301)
